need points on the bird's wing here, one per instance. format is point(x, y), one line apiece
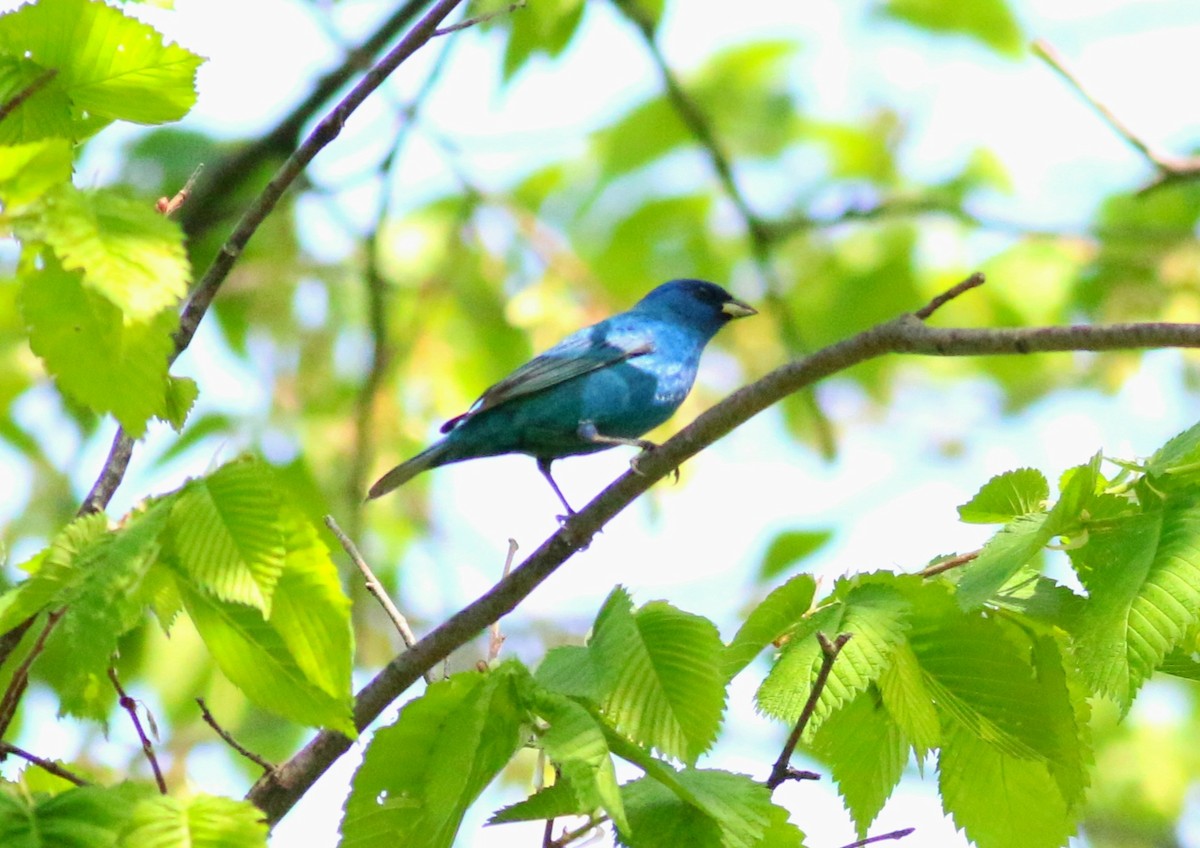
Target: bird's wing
point(580, 353)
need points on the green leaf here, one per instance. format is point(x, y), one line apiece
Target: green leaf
point(82, 817)
point(866, 752)
point(1004, 555)
point(1177, 463)
point(560, 799)
point(30, 171)
point(778, 612)
point(127, 251)
point(55, 571)
point(44, 114)
point(647, 132)
point(100, 359)
point(1007, 496)
point(109, 65)
point(181, 394)
point(570, 670)
point(987, 21)
point(104, 604)
point(574, 741)
point(875, 615)
point(1142, 574)
point(419, 776)
point(730, 811)
point(659, 668)
point(202, 821)
point(909, 702)
point(1000, 799)
point(789, 548)
point(543, 27)
point(227, 533)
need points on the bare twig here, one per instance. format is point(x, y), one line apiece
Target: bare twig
point(111, 474)
point(568, 836)
point(168, 206)
point(131, 706)
point(1169, 167)
point(948, 564)
point(478, 19)
point(20, 678)
point(974, 281)
point(905, 334)
point(895, 834)
point(783, 770)
point(13, 103)
point(496, 641)
point(42, 763)
point(265, 765)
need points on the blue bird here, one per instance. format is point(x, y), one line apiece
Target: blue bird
point(604, 385)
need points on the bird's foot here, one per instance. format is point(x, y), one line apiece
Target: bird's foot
point(647, 447)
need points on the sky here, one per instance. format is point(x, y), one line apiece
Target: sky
point(689, 545)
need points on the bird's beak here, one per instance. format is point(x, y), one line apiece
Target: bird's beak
point(735, 308)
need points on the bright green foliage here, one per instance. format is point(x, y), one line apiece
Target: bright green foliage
point(227, 534)
point(1007, 496)
point(660, 671)
point(106, 66)
point(777, 614)
point(81, 817)
point(420, 774)
point(874, 614)
point(988, 21)
point(29, 171)
point(126, 251)
point(53, 572)
point(203, 821)
point(100, 359)
point(729, 810)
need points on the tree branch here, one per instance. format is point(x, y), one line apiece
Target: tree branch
point(211, 721)
point(130, 706)
point(45, 765)
point(1170, 168)
point(276, 793)
point(783, 771)
point(871, 840)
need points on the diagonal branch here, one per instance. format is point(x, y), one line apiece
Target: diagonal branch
point(277, 792)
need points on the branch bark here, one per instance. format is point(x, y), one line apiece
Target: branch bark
point(278, 791)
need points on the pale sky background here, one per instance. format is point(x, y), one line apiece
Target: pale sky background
point(890, 497)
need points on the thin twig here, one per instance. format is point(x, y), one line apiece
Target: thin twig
point(478, 19)
point(13, 103)
point(548, 834)
point(948, 564)
point(211, 721)
point(905, 334)
point(569, 836)
point(895, 834)
point(20, 678)
point(496, 641)
point(972, 282)
point(1169, 167)
point(167, 206)
point(375, 587)
point(782, 770)
point(131, 706)
point(44, 764)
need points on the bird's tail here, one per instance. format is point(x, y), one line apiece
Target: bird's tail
point(431, 457)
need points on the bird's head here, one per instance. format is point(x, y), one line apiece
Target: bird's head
point(700, 304)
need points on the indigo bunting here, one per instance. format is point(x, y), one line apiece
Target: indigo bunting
point(604, 385)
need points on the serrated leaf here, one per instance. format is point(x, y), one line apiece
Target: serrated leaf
point(202, 821)
point(1000, 799)
point(660, 672)
point(1004, 555)
point(778, 612)
point(110, 65)
point(876, 617)
point(419, 776)
point(909, 702)
point(1142, 573)
point(82, 817)
point(54, 571)
point(99, 359)
point(561, 799)
point(127, 251)
point(988, 21)
point(574, 741)
point(227, 533)
point(867, 752)
point(45, 112)
point(29, 171)
point(730, 811)
point(1177, 463)
point(181, 395)
point(1007, 496)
